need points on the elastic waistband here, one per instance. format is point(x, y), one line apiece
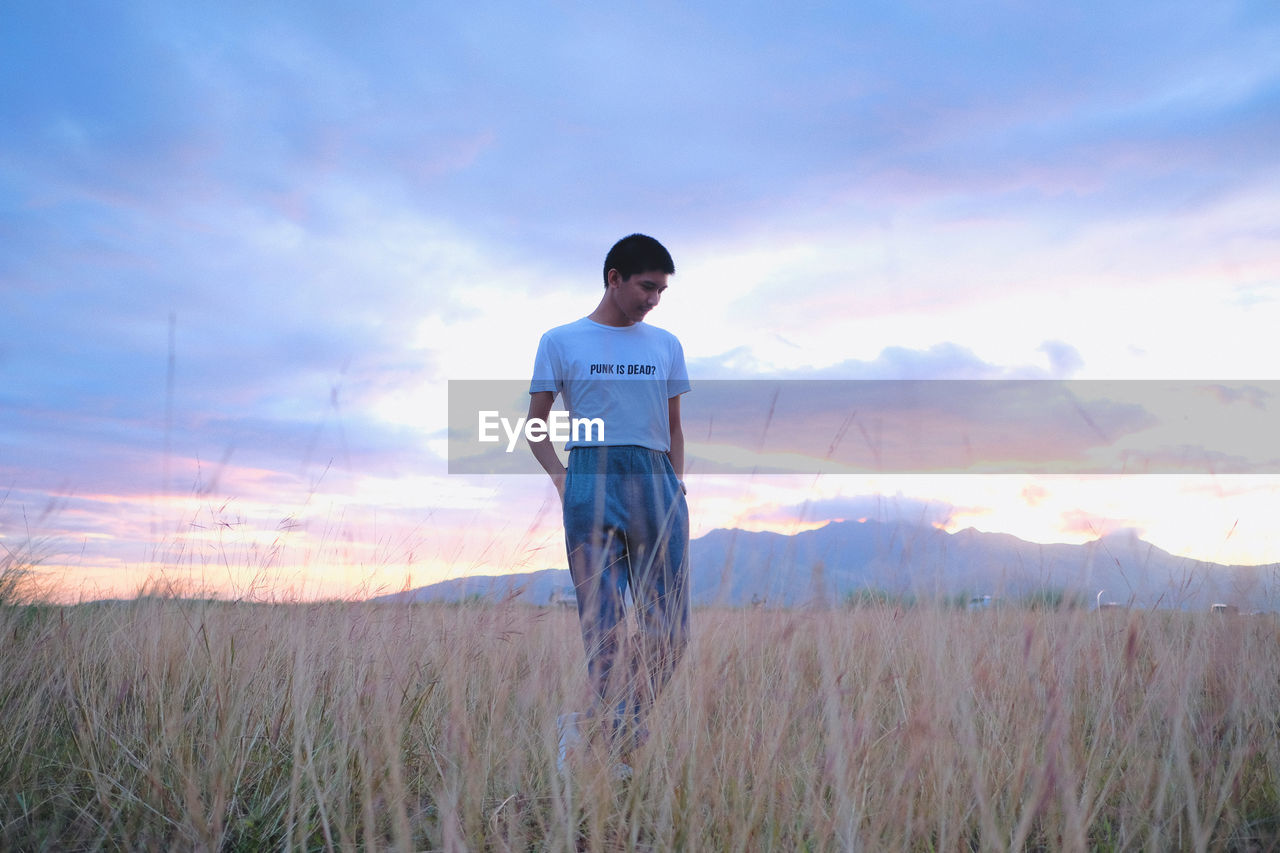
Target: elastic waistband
point(618, 459)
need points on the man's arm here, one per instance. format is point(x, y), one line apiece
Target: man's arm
point(543, 450)
point(676, 453)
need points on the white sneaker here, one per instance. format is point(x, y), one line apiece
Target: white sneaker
point(569, 729)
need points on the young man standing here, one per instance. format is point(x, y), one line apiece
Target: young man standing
point(626, 522)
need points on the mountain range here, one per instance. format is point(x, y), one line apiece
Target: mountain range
point(897, 559)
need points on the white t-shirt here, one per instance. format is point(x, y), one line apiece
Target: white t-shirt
point(623, 375)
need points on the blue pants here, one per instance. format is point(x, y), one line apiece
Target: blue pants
point(626, 523)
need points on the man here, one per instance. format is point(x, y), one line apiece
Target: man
point(625, 518)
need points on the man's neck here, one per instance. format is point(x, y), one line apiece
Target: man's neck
point(607, 314)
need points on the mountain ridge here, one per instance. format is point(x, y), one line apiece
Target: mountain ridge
point(735, 567)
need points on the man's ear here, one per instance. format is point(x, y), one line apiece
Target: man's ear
point(613, 278)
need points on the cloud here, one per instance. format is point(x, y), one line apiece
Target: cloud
point(946, 360)
point(1033, 495)
point(1064, 359)
point(854, 104)
point(1255, 396)
point(1098, 526)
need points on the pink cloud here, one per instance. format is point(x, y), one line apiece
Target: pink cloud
point(1079, 521)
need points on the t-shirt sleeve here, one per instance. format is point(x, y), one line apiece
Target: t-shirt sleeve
point(678, 378)
point(545, 374)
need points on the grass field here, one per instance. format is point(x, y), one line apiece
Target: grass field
point(164, 723)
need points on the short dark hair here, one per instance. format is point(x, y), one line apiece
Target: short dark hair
point(635, 254)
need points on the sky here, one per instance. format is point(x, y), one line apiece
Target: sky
point(245, 247)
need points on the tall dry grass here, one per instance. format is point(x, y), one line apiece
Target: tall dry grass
point(170, 724)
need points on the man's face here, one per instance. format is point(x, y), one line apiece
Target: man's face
point(636, 295)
